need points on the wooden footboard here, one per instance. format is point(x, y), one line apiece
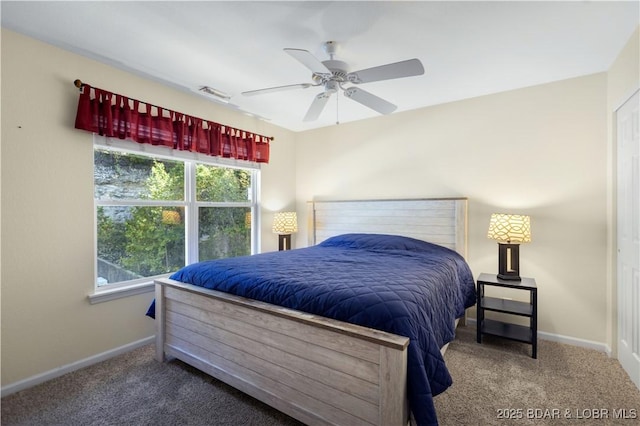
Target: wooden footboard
point(317, 370)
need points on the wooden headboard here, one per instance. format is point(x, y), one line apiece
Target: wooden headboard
point(441, 221)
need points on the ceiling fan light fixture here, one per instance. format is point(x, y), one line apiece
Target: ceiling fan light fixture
point(331, 87)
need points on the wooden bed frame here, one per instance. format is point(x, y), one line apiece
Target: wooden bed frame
point(317, 370)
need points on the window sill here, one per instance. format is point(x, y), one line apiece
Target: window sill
point(106, 295)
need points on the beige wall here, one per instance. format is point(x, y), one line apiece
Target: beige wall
point(47, 207)
point(539, 151)
point(623, 79)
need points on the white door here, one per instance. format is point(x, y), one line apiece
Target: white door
point(628, 183)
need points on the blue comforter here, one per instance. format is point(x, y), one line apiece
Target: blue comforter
point(395, 284)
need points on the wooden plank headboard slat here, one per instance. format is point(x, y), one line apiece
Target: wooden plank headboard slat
point(438, 220)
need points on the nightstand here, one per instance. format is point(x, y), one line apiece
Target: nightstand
point(511, 307)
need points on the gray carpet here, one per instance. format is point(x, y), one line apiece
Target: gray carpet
point(500, 375)
point(134, 389)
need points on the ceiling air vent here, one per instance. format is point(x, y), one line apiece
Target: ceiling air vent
point(218, 94)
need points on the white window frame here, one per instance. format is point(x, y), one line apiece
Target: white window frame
point(191, 205)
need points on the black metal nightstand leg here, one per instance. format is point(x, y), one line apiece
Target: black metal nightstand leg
point(534, 323)
point(479, 313)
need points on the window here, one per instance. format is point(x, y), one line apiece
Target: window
point(156, 213)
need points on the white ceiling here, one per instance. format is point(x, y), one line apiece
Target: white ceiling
point(468, 48)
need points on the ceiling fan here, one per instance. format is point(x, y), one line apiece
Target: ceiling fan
point(333, 75)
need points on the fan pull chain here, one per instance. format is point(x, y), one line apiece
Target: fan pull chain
point(337, 113)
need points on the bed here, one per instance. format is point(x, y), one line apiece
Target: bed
point(302, 355)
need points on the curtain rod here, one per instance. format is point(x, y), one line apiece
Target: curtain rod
point(79, 84)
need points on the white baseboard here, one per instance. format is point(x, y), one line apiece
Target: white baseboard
point(589, 344)
point(57, 372)
point(574, 341)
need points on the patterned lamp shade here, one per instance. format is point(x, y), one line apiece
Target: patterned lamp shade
point(285, 223)
point(510, 228)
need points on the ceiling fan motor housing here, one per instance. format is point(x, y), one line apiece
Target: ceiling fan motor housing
point(339, 71)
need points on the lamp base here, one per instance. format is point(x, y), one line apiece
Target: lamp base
point(509, 277)
point(284, 242)
point(509, 261)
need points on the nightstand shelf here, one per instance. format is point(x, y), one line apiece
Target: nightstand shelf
point(516, 332)
point(507, 306)
point(520, 333)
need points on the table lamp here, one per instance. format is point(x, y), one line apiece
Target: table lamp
point(284, 224)
point(509, 230)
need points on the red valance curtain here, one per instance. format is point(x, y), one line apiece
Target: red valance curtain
point(118, 116)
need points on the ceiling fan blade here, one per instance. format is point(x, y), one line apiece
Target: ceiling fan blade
point(277, 89)
point(317, 106)
point(401, 69)
point(369, 100)
point(308, 60)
